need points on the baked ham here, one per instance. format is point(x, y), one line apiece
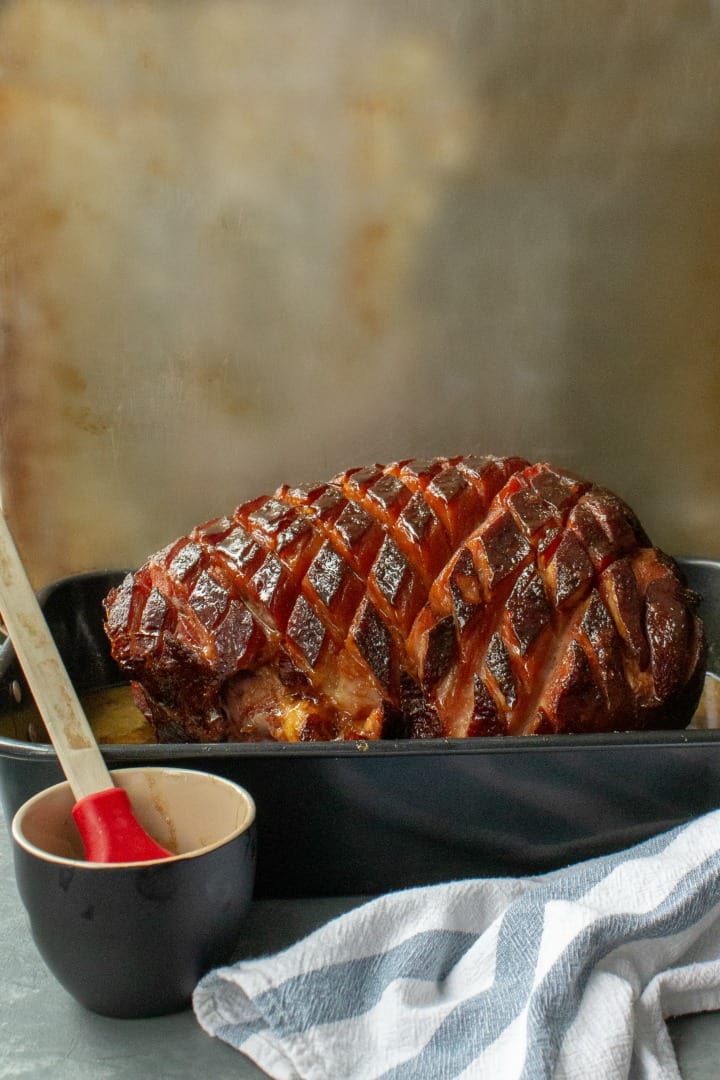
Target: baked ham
point(452, 597)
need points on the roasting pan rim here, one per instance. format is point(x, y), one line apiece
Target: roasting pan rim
point(511, 744)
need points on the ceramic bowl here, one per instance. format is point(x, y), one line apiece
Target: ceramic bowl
point(133, 939)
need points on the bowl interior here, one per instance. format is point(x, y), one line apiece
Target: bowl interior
point(186, 811)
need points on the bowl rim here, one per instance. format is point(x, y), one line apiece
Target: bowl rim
point(21, 841)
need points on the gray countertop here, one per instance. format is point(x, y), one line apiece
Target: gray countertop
point(45, 1034)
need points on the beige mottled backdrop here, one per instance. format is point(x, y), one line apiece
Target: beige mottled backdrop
point(248, 242)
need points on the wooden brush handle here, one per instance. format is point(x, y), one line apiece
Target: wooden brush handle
point(45, 672)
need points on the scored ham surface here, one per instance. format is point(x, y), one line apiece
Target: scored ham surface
point(457, 596)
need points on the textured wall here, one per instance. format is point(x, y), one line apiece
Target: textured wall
point(248, 242)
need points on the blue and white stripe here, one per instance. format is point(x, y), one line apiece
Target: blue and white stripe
point(571, 974)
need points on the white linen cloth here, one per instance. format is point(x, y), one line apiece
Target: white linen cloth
point(569, 974)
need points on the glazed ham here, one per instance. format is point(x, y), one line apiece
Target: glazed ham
point(453, 597)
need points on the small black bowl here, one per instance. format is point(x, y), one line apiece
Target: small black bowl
point(133, 939)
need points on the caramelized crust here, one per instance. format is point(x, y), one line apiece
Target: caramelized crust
point(451, 597)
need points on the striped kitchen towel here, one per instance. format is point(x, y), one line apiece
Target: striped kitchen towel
point(570, 974)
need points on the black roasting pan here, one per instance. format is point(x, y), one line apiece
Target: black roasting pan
point(361, 818)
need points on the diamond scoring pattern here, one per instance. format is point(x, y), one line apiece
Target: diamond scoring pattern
point(461, 576)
